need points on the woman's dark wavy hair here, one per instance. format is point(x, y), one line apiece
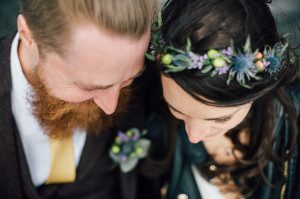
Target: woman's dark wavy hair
point(212, 24)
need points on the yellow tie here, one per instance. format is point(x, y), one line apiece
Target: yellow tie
point(63, 168)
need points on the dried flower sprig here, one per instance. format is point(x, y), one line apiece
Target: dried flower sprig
point(128, 148)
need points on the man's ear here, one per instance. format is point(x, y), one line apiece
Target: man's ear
point(24, 32)
point(29, 57)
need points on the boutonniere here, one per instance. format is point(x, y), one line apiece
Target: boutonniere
point(128, 148)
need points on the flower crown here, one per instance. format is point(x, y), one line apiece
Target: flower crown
point(241, 64)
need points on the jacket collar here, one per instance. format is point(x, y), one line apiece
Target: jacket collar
point(5, 48)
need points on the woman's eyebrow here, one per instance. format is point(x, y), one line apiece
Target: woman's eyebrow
point(208, 119)
point(172, 107)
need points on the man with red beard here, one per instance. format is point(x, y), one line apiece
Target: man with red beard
point(66, 74)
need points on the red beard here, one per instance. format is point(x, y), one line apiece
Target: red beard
point(59, 117)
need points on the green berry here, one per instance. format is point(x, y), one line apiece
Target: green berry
point(139, 150)
point(133, 154)
point(129, 133)
point(167, 59)
point(213, 54)
point(219, 62)
point(115, 149)
point(118, 140)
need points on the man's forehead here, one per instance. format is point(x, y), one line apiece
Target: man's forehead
point(91, 46)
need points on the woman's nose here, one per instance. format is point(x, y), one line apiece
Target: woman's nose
point(196, 130)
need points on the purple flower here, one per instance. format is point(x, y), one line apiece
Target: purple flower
point(222, 70)
point(201, 58)
point(227, 52)
point(266, 63)
point(135, 137)
point(123, 136)
point(193, 56)
point(199, 65)
point(123, 158)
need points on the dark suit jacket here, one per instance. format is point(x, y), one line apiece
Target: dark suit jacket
point(96, 176)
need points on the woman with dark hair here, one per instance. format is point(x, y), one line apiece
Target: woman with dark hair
point(231, 80)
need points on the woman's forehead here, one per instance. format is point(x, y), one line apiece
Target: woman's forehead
point(181, 101)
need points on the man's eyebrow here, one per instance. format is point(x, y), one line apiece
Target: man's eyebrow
point(92, 87)
point(208, 119)
point(100, 87)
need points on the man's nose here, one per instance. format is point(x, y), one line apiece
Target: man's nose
point(108, 100)
point(196, 130)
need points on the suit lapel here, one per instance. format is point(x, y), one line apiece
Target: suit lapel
point(28, 186)
point(17, 179)
point(95, 147)
point(10, 181)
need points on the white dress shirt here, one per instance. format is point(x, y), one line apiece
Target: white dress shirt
point(34, 140)
point(207, 190)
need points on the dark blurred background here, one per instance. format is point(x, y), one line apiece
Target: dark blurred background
point(286, 12)
point(8, 16)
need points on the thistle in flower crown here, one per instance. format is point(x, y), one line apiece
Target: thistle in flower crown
point(241, 65)
point(128, 148)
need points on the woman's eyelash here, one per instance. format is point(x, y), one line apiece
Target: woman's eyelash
point(219, 120)
point(223, 120)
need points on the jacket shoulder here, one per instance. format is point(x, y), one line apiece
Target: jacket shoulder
point(5, 76)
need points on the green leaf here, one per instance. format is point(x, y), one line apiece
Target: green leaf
point(181, 57)
point(145, 144)
point(267, 50)
point(245, 85)
point(293, 57)
point(247, 46)
point(174, 69)
point(150, 56)
point(207, 69)
point(181, 60)
point(214, 73)
point(283, 49)
point(128, 165)
point(230, 76)
point(135, 131)
point(114, 157)
point(188, 45)
point(207, 62)
point(144, 132)
point(176, 50)
point(227, 59)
